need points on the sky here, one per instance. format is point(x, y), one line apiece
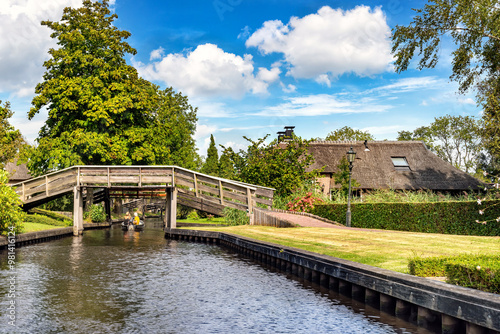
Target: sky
point(252, 67)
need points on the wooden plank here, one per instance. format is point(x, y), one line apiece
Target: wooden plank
point(157, 179)
point(195, 185)
point(156, 171)
point(234, 187)
point(263, 201)
point(221, 193)
point(124, 171)
point(123, 179)
point(184, 173)
point(235, 196)
point(214, 191)
point(205, 179)
point(264, 192)
point(184, 182)
point(92, 179)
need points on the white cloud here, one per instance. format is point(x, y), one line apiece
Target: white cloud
point(467, 100)
point(289, 88)
point(324, 80)
point(24, 42)
point(209, 71)
point(203, 130)
point(156, 54)
point(319, 105)
point(331, 42)
point(411, 84)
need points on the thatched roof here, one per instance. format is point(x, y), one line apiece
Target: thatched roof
point(17, 172)
point(375, 169)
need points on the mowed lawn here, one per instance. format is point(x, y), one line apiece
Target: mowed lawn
point(384, 249)
point(34, 227)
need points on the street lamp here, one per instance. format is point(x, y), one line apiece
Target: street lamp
point(351, 155)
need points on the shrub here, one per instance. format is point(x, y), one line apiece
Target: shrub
point(193, 215)
point(427, 266)
point(11, 215)
point(51, 214)
point(235, 217)
point(477, 272)
point(439, 217)
point(303, 204)
point(41, 219)
point(96, 213)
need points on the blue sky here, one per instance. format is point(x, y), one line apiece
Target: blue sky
point(253, 67)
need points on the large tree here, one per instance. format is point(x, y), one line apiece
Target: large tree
point(279, 165)
point(348, 133)
point(99, 110)
point(211, 165)
point(474, 27)
point(11, 139)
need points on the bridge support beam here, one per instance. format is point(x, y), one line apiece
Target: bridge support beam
point(77, 211)
point(171, 208)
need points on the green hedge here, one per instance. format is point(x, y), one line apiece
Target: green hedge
point(51, 214)
point(36, 218)
point(480, 272)
point(441, 217)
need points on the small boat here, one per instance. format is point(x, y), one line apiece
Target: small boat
point(131, 226)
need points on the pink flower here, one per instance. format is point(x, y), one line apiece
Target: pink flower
point(498, 219)
point(485, 173)
point(479, 201)
point(481, 212)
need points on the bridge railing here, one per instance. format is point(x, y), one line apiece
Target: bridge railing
point(192, 186)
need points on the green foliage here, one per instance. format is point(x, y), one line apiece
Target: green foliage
point(100, 110)
point(96, 213)
point(234, 217)
point(52, 215)
point(42, 219)
point(211, 165)
point(11, 139)
point(64, 203)
point(341, 177)
point(480, 272)
point(279, 165)
point(473, 27)
point(193, 215)
point(304, 203)
point(445, 217)
point(477, 272)
point(11, 215)
point(183, 211)
point(226, 166)
point(348, 133)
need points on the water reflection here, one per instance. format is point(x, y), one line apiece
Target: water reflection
point(110, 281)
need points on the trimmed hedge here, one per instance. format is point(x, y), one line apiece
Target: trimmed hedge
point(477, 272)
point(51, 214)
point(428, 266)
point(36, 218)
point(439, 217)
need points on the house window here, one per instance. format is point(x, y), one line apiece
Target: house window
point(400, 163)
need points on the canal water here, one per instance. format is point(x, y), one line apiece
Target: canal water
point(110, 281)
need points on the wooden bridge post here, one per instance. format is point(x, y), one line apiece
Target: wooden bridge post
point(171, 208)
point(107, 204)
point(77, 211)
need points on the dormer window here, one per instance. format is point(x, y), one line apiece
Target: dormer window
point(400, 163)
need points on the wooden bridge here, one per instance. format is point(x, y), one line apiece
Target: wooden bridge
point(175, 184)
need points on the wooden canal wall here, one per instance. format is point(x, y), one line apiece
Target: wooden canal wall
point(46, 235)
point(433, 304)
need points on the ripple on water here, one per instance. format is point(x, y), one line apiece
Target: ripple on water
point(111, 282)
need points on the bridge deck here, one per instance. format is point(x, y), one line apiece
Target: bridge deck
point(194, 189)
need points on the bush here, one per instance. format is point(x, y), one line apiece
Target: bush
point(439, 217)
point(96, 214)
point(51, 214)
point(193, 215)
point(11, 215)
point(235, 217)
point(304, 204)
point(183, 211)
point(41, 219)
point(477, 272)
point(480, 272)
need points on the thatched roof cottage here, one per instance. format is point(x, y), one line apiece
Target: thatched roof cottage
point(399, 165)
point(18, 173)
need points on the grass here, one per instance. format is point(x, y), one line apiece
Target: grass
point(384, 249)
point(34, 227)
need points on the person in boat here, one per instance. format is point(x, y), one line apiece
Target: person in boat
point(128, 218)
point(136, 219)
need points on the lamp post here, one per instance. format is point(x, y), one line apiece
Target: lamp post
point(351, 155)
